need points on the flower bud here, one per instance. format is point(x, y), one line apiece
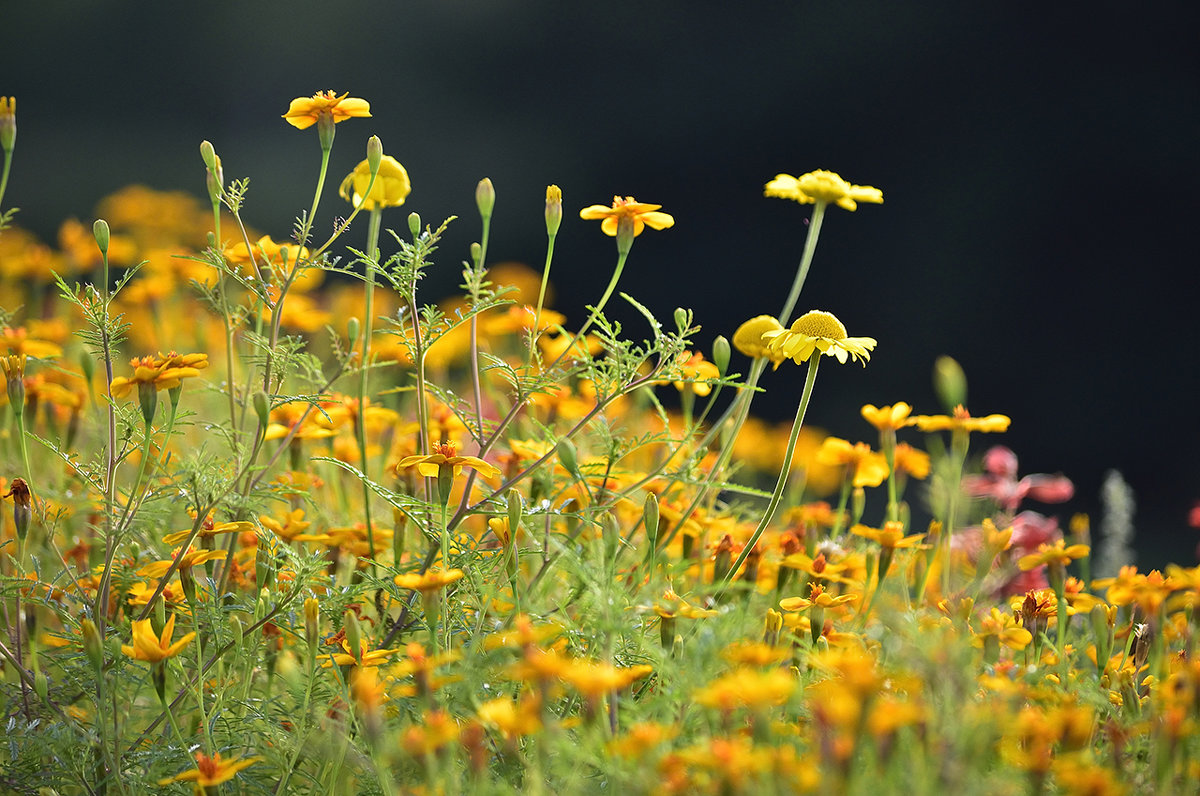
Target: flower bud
point(650, 518)
point(721, 353)
point(485, 198)
point(8, 123)
point(22, 506)
point(353, 635)
point(100, 231)
point(353, 327)
point(414, 224)
point(682, 319)
point(209, 155)
point(476, 254)
point(92, 645)
point(214, 181)
point(553, 209)
point(374, 153)
point(516, 507)
point(42, 686)
point(312, 622)
point(13, 366)
point(949, 382)
point(262, 408)
point(569, 458)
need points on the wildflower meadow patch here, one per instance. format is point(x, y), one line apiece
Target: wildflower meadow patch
point(276, 521)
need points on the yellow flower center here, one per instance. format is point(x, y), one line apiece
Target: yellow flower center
point(820, 324)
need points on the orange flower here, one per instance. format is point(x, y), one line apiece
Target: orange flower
point(211, 771)
point(869, 467)
point(165, 372)
point(643, 215)
point(304, 112)
point(444, 455)
point(432, 580)
point(960, 420)
point(887, 418)
point(154, 649)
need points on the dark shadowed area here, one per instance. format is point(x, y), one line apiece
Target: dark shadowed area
point(1038, 166)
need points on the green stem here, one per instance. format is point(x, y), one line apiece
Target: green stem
point(537, 316)
point(813, 362)
point(8, 153)
point(612, 284)
point(372, 258)
point(810, 247)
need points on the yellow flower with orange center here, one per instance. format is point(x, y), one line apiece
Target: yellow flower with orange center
point(445, 454)
point(163, 371)
point(1053, 554)
point(961, 420)
point(211, 771)
point(304, 112)
point(819, 598)
point(640, 213)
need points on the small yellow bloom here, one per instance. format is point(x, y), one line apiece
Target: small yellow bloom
point(822, 186)
point(869, 467)
point(1056, 553)
point(211, 771)
point(391, 186)
point(908, 459)
point(887, 418)
point(749, 338)
point(643, 215)
point(432, 580)
point(445, 455)
point(960, 420)
point(305, 111)
point(697, 371)
point(890, 536)
point(817, 331)
point(153, 649)
point(165, 372)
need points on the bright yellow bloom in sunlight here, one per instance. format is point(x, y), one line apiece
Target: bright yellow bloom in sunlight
point(643, 215)
point(961, 420)
point(165, 372)
point(151, 648)
point(822, 186)
point(817, 331)
point(818, 598)
point(869, 467)
point(211, 771)
point(391, 186)
point(887, 418)
point(748, 338)
point(445, 454)
point(305, 111)
point(1004, 628)
point(890, 536)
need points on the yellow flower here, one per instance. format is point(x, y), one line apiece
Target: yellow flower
point(391, 186)
point(1003, 627)
point(890, 536)
point(870, 467)
point(819, 598)
point(887, 418)
point(305, 111)
point(1056, 553)
point(908, 459)
point(432, 580)
point(211, 771)
point(148, 647)
point(745, 687)
point(697, 371)
point(817, 331)
point(444, 455)
point(643, 215)
point(749, 338)
point(822, 186)
point(17, 341)
point(961, 420)
point(165, 372)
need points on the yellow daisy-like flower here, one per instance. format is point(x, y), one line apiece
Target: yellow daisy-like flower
point(391, 186)
point(445, 455)
point(887, 418)
point(164, 372)
point(1056, 553)
point(432, 580)
point(211, 771)
point(151, 648)
point(822, 186)
point(890, 536)
point(961, 420)
point(303, 112)
point(643, 215)
point(869, 467)
point(817, 331)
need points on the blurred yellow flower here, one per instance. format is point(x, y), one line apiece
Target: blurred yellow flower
point(164, 371)
point(643, 215)
point(391, 186)
point(211, 771)
point(960, 420)
point(151, 648)
point(817, 331)
point(887, 417)
point(822, 186)
point(445, 455)
point(303, 112)
point(869, 467)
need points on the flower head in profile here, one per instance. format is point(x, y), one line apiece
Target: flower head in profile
point(211, 771)
point(391, 186)
point(748, 339)
point(445, 454)
point(642, 214)
point(822, 186)
point(817, 331)
point(961, 420)
point(304, 112)
point(148, 647)
point(164, 372)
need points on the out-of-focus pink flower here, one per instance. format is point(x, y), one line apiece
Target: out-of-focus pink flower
point(1000, 482)
point(1031, 529)
point(1194, 515)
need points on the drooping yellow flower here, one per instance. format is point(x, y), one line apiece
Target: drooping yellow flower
point(822, 186)
point(908, 459)
point(445, 455)
point(391, 186)
point(305, 111)
point(642, 214)
point(817, 331)
point(151, 648)
point(211, 771)
point(748, 338)
point(961, 420)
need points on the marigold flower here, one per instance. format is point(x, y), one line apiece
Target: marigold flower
point(391, 186)
point(822, 186)
point(151, 648)
point(211, 771)
point(749, 688)
point(869, 467)
point(697, 370)
point(818, 598)
point(817, 331)
point(887, 418)
point(444, 454)
point(1056, 553)
point(165, 372)
point(432, 580)
point(890, 536)
point(642, 214)
point(304, 112)
point(961, 420)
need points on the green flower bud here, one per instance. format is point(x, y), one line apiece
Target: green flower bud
point(476, 254)
point(720, 353)
point(353, 327)
point(553, 209)
point(568, 456)
point(485, 198)
point(950, 383)
point(100, 231)
point(208, 155)
point(650, 517)
point(374, 153)
point(8, 123)
point(682, 319)
point(414, 224)
point(262, 408)
point(516, 507)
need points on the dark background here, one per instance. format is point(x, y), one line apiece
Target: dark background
point(1039, 166)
